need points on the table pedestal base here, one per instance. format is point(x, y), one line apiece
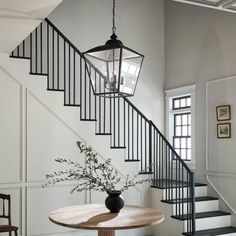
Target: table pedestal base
point(106, 232)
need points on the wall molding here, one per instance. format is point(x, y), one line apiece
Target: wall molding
point(219, 193)
point(20, 88)
point(31, 94)
point(207, 125)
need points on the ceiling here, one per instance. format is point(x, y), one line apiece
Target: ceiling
point(18, 18)
point(224, 5)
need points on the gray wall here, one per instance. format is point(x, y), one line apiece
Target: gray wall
point(200, 46)
point(140, 25)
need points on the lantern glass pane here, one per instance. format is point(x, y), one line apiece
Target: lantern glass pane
point(131, 63)
point(105, 78)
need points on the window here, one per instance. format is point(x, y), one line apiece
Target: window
point(182, 126)
point(180, 104)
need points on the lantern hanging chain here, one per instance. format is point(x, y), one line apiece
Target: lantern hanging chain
point(113, 17)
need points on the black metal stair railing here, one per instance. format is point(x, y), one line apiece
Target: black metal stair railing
point(53, 55)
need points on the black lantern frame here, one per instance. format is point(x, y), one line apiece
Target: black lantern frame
point(116, 68)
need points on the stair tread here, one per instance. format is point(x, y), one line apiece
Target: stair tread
point(203, 215)
point(167, 183)
point(213, 232)
point(197, 199)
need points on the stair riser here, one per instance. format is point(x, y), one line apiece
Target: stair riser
point(200, 191)
point(202, 206)
point(211, 222)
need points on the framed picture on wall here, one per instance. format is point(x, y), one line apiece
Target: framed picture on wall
point(223, 113)
point(224, 130)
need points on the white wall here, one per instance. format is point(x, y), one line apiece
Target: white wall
point(36, 127)
point(200, 46)
point(220, 152)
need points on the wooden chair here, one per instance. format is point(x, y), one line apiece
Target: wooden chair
point(6, 202)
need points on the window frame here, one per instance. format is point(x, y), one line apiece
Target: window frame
point(170, 94)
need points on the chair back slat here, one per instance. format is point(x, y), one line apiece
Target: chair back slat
point(5, 208)
point(5, 212)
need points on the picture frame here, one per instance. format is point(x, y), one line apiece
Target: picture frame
point(223, 113)
point(224, 130)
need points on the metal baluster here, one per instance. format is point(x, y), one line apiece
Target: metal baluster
point(114, 121)
point(155, 166)
point(193, 202)
point(145, 145)
point(166, 170)
point(99, 107)
point(41, 47)
point(141, 131)
point(137, 148)
point(90, 96)
point(104, 112)
point(48, 56)
point(110, 116)
point(18, 51)
point(150, 146)
point(53, 75)
point(172, 167)
point(24, 49)
point(74, 78)
point(124, 122)
point(36, 50)
point(69, 82)
point(179, 184)
point(31, 52)
point(80, 93)
point(85, 94)
point(159, 158)
point(176, 187)
point(95, 103)
point(64, 72)
point(132, 115)
point(118, 122)
point(162, 162)
point(182, 179)
point(128, 132)
point(58, 66)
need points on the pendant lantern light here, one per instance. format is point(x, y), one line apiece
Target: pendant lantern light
point(116, 68)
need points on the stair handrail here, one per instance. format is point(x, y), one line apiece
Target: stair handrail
point(126, 99)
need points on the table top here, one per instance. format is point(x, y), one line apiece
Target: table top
point(98, 217)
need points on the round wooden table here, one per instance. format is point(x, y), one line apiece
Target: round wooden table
point(98, 217)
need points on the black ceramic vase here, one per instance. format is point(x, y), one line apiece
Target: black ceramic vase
point(114, 202)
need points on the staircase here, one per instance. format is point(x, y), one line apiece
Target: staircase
point(52, 55)
point(209, 219)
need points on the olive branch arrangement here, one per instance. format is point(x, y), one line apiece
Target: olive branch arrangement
point(94, 175)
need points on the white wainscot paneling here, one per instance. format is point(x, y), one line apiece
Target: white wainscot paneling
point(220, 154)
point(41, 201)
point(48, 138)
point(225, 186)
point(15, 207)
point(10, 129)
